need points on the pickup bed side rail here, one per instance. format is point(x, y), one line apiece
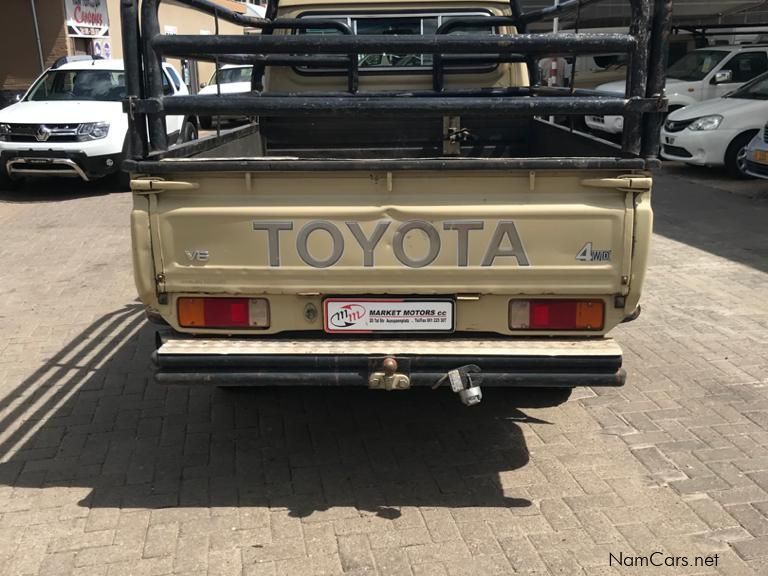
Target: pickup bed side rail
point(642, 105)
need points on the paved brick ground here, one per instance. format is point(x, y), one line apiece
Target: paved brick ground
point(104, 474)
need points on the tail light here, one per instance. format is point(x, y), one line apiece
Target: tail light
point(223, 312)
point(556, 314)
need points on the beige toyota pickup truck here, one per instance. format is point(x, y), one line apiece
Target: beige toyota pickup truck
point(401, 213)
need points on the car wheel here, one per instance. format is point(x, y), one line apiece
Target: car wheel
point(206, 122)
point(188, 132)
point(736, 156)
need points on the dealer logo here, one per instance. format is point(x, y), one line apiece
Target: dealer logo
point(348, 315)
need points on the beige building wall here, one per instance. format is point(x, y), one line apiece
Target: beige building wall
point(19, 58)
point(177, 19)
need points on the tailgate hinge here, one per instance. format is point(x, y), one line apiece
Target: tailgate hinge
point(162, 295)
point(625, 183)
point(149, 185)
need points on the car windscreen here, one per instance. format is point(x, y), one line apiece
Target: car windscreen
point(696, 65)
point(755, 90)
point(94, 85)
point(231, 75)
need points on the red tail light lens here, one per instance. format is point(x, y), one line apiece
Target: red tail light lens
point(223, 312)
point(556, 314)
point(226, 311)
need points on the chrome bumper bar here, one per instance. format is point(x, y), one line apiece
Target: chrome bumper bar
point(67, 167)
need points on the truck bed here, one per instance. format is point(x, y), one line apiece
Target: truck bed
point(523, 143)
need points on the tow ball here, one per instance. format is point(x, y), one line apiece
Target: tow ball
point(465, 381)
point(387, 377)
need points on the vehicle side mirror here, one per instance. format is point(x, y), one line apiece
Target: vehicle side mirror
point(723, 77)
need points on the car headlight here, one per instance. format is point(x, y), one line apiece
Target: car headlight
point(706, 123)
point(5, 132)
point(92, 131)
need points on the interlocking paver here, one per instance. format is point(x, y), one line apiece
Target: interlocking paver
point(355, 554)
point(103, 473)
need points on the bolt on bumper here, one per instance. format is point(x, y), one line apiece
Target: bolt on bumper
point(503, 362)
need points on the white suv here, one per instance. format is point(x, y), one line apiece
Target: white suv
point(698, 76)
point(71, 123)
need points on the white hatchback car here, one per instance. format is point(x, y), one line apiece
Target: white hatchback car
point(716, 132)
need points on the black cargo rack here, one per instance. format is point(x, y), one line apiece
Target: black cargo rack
point(642, 105)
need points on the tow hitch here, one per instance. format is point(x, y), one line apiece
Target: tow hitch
point(465, 384)
point(385, 376)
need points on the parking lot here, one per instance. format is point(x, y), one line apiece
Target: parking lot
point(105, 473)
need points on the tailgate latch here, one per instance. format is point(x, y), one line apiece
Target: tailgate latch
point(148, 185)
point(631, 182)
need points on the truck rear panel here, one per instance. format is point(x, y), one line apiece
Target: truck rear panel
point(485, 237)
point(400, 211)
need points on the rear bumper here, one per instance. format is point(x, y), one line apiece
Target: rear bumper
point(503, 362)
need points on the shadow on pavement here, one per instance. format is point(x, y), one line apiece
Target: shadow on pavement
point(732, 226)
point(89, 416)
point(54, 189)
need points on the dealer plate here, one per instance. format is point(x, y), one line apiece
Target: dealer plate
point(761, 156)
point(388, 315)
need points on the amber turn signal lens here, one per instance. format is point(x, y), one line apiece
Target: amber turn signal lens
point(191, 312)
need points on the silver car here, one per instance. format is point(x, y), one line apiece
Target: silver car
point(756, 155)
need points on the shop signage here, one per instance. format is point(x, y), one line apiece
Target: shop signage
point(87, 17)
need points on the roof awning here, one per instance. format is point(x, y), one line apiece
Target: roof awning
point(616, 12)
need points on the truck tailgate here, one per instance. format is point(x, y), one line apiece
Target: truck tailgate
point(358, 233)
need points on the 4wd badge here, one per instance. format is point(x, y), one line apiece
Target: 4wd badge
point(588, 254)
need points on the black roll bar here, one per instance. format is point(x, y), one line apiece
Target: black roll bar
point(294, 24)
point(150, 28)
point(657, 74)
point(137, 144)
point(365, 106)
point(219, 11)
point(567, 44)
point(641, 106)
point(637, 80)
point(480, 22)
